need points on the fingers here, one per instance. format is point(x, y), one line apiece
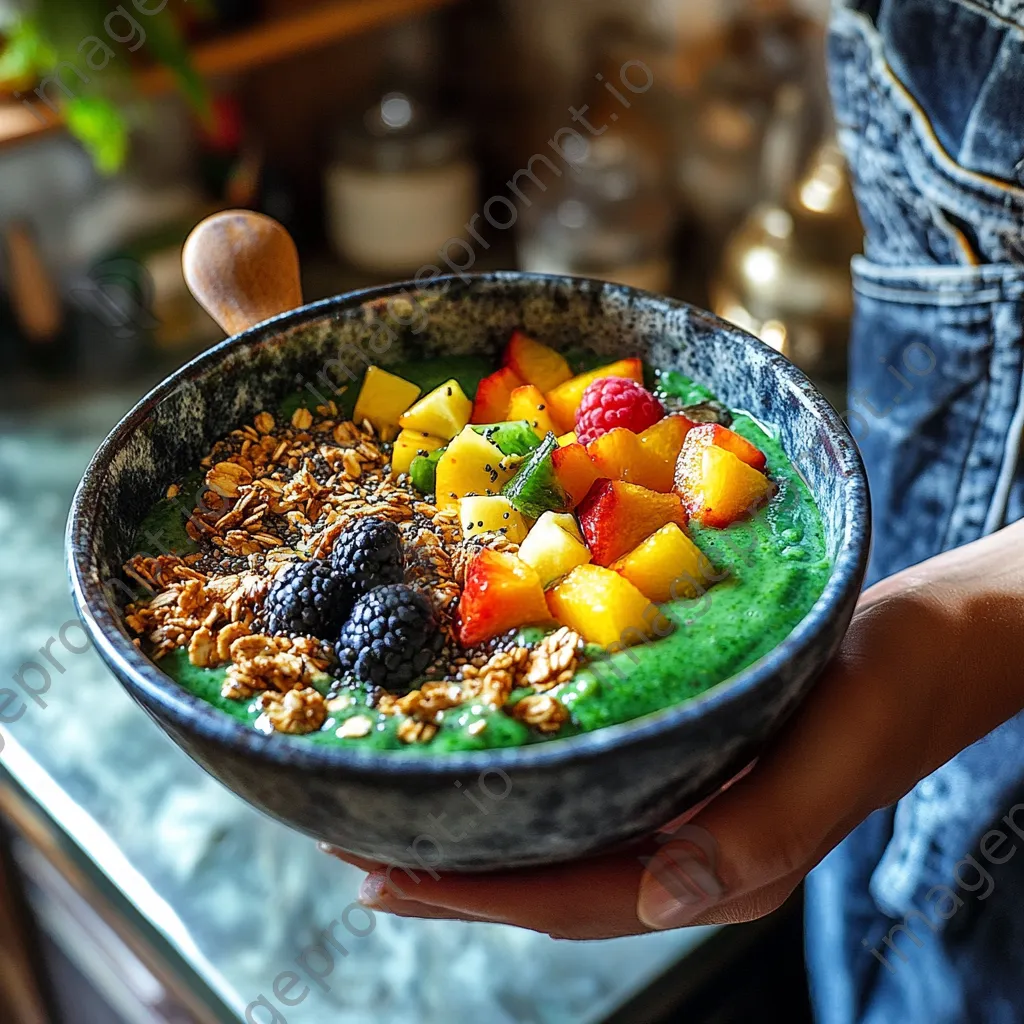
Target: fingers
point(842, 757)
point(586, 900)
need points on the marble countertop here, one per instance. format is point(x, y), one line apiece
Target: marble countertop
point(238, 895)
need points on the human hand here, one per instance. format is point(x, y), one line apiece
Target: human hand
point(930, 664)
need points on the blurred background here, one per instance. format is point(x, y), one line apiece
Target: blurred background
point(683, 146)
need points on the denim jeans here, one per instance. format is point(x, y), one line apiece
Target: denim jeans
point(907, 921)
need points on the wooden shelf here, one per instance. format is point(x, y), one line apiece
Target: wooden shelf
point(287, 37)
point(274, 40)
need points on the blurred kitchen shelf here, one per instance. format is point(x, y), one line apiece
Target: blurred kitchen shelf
point(280, 38)
point(274, 40)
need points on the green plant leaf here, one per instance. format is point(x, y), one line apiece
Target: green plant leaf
point(26, 53)
point(99, 126)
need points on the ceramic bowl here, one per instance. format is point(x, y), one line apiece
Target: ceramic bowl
point(502, 808)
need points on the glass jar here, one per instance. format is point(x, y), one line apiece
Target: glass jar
point(402, 183)
point(608, 219)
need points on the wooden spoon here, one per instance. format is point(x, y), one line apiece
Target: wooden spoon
point(243, 268)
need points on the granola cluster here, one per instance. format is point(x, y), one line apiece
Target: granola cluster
point(275, 493)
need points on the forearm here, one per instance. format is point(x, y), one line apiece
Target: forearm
point(948, 636)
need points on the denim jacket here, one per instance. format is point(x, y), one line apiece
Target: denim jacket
point(929, 102)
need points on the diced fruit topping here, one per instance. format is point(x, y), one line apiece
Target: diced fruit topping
point(718, 488)
point(528, 403)
point(665, 439)
point(667, 566)
point(423, 471)
point(575, 470)
point(567, 439)
point(308, 599)
point(567, 521)
point(605, 608)
point(615, 402)
point(369, 554)
point(535, 363)
point(391, 638)
point(409, 445)
point(619, 455)
point(536, 489)
point(723, 437)
point(382, 400)
point(515, 437)
point(491, 514)
point(469, 465)
point(493, 395)
point(564, 400)
point(442, 413)
point(615, 516)
point(553, 550)
point(501, 592)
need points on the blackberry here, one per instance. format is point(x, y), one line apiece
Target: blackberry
point(369, 554)
point(390, 639)
point(308, 598)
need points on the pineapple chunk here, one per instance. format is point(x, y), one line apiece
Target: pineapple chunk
point(442, 413)
point(567, 521)
point(409, 444)
point(382, 400)
point(470, 465)
point(553, 550)
point(605, 608)
point(667, 566)
point(567, 439)
point(491, 514)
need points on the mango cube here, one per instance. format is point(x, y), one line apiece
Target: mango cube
point(619, 455)
point(382, 400)
point(667, 566)
point(528, 403)
point(491, 514)
point(469, 465)
point(553, 550)
point(441, 413)
point(605, 608)
point(564, 400)
point(575, 470)
point(408, 445)
point(717, 486)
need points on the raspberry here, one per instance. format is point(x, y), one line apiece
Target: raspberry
point(615, 402)
point(308, 599)
point(369, 554)
point(390, 639)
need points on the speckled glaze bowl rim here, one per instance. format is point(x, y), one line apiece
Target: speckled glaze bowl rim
point(194, 714)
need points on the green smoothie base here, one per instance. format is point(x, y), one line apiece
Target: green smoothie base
point(774, 566)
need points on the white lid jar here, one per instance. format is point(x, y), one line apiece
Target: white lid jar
point(401, 186)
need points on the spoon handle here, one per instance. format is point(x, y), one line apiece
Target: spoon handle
point(243, 268)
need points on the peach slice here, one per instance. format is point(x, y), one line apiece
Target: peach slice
point(493, 395)
point(535, 363)
point(501, 592)
point(615, 516)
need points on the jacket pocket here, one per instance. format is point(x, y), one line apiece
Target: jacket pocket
point(935, 402)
